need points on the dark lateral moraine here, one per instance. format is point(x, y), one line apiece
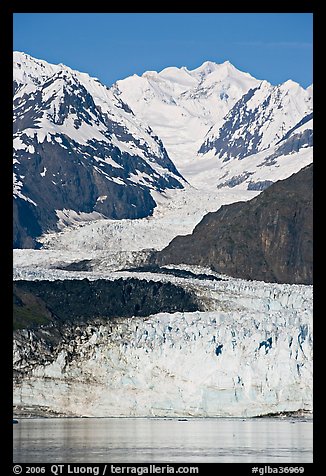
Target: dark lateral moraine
point(38, 303)
point(83, 265)
point(178, 273)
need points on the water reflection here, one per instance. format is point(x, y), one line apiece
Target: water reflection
point(138, 440)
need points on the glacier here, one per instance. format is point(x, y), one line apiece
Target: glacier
point(249, 353)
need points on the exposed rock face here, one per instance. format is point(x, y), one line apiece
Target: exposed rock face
point(260, 119)
point(268, 238)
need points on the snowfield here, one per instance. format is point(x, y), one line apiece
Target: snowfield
point(182, 105)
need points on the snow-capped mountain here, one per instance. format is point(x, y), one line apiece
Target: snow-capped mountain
point(225, 164)
point(79, 151)
point(182, 105)
point(259, 120)
point(83, 151)
point(221, 126)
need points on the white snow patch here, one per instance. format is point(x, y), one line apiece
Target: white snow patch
point(140, 177)
point(102, 198)
point(19, 144)
point(71, 217)
point(17, 186)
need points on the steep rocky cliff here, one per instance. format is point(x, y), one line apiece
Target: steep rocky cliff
point(268, 238)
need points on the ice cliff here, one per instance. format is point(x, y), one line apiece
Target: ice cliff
point(250, 354)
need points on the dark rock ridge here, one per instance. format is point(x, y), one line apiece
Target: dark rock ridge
point(73, 182)
point(43, 303)
point(245, 128)
point(294, 143)
point(179, 273)
point(268, 238)
point(50, 315)
point(227, 147)
point(303, 121)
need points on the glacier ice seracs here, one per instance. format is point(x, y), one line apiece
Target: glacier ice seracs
point(250, 354)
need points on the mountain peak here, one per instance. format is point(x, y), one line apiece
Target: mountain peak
point(206, 68)
point(210, 71)
point(290, 84)
point(29, 70)
point(207, 71)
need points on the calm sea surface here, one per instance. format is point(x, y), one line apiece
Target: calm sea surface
point(142, 440)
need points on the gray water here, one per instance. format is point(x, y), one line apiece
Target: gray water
point(143, 440)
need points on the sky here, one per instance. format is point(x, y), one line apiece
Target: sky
point(112, 46)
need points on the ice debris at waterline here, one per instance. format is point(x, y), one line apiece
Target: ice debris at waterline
point(250, 355)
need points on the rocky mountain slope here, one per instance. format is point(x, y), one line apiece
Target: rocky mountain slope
point(260, 119)
point(79, 152)
point(267, 238)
